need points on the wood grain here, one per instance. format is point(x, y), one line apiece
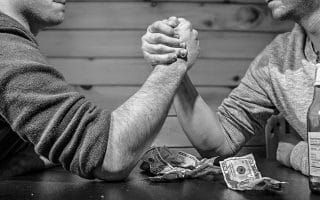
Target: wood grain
point(138, 15)
point(94, 44)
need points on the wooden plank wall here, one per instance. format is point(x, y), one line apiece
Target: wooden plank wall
point(98, 48)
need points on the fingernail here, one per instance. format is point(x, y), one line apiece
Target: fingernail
point(183, 45)
point(176, 36)
point(183, 53)
point(174, 59)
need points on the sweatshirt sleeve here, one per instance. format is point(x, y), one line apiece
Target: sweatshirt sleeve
point(43, 109)
point(244, 113)
point(299, 158)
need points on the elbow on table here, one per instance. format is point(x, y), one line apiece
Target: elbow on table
point(115, 169)
point(114, 174)
point(120, 158)
point(223, 151)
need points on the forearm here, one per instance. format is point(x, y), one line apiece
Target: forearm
point(200, 124)
point(135, 124)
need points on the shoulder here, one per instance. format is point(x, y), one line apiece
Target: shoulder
point(286, 45)
point(16, 42)
point(14, 46)
point(21, 55)
point(281, 49)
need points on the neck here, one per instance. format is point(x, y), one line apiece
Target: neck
point(7, 9)
point(311, 25)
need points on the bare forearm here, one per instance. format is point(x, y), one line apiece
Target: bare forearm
point(200, 124)
point(136, 123)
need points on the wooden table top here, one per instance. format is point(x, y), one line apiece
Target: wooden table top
point(59, 184)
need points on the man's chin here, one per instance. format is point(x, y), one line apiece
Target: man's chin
point(56, 21)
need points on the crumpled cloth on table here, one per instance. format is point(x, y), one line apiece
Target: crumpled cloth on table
point(165, 165)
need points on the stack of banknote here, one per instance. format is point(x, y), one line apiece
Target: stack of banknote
point(164, 164)
point(241, 173)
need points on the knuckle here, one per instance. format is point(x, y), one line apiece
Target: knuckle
point(149, 29)
point(164, 20)
point(169, 57)
point(143, 38)
point(157, 37)
point(189, 25)
point(143, 48)
point(182, 19)
point(146, 37)
point(196, 33)
point(142, 41)
point(160, 48)
point(173, 19)
point(157, 24)
point(153, 62)
point(153, 37)
point(146, 56)
point(157, 48)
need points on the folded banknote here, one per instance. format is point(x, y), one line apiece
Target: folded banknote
point(241, 173)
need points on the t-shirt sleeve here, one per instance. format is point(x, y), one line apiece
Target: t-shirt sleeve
point(245, 111)
point(43, 109)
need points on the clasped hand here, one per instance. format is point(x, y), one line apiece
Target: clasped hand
point(170, 39)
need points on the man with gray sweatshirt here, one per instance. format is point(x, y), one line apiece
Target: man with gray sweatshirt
point(279, 80)
point(44, 121)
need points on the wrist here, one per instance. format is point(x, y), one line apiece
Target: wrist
point(299, 152)
point(181, 64)
point(284, 151)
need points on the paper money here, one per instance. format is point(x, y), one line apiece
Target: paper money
point(241, 173)
point(165, 165)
